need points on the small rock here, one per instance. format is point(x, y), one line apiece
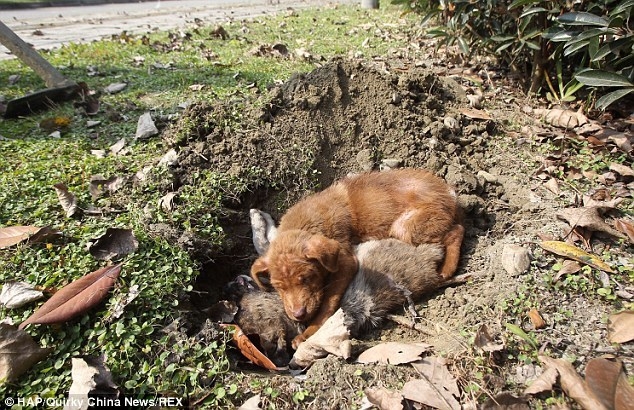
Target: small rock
point(451, 123)
point(364, 159)
point(115, 88)
point(515, 259)
point(490, 178)
point(90, 124)
point(392, 162)
point(145, 127)
point(55, 134)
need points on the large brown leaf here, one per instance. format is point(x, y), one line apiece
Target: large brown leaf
point(76, 297)
point(13, 235)
point(607, 379)
point(18, 352)
point(572, 384)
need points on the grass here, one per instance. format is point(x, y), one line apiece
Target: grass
point(134, 346)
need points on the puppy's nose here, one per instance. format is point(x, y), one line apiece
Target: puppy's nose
point(300, 313)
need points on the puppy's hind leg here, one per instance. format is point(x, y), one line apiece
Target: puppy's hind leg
point(453, 243)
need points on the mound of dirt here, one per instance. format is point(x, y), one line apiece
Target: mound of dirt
point(353, 116)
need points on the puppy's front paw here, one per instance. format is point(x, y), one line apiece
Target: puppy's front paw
point(298, 340)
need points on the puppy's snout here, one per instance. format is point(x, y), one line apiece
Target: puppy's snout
point(299, 314)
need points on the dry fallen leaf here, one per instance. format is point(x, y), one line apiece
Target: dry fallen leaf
point(568, 267)
point(248, 349)
point(544, 382)
point(124, 300)
point(536, 319)
point(423, 391)
point(13, 235)
point(114, 244)
point(393, 353)
point(515, 259)
point(562, 118)
point(66, 199)
point(505, 401)
point(475, 114)
point(384, 399)
point(484, 341)
point(589, 218)
point(76, 297)
point(607, 379)
point(17, 294)
point(18, 352)
point(622, 170)
point(626, 227)
point(572, 252)
point(253, 403)
point(91, 378)
point(553, 186)
point(572, 384)
point(621, 327)
point(333, 337)
point(435, 371)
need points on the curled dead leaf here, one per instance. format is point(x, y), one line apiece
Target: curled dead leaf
point(17, 294)
point(626, 227)
point(76, 297)
point(572, 384)
point(607, 380)
point(568, 267)
point(67, 199)
point(248, 349)
point(622, 170)
point(536, 319)
point(561, 118)
point(333, 337)
point(384, 399)
point(485, 341)
point(621, 327)
point(475, 114)
point(545, 382)
point(423, 391)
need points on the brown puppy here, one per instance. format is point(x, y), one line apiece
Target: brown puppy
point(311, 261)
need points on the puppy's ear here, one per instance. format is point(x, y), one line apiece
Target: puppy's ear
point(260, 274)
point(325, 251)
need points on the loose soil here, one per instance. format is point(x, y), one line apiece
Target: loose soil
point(353, 116)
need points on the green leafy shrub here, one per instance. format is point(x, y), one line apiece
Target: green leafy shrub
point(580, 43)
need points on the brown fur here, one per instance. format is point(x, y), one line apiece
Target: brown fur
point(310, 263)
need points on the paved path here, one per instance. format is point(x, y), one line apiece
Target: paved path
point(50, 27)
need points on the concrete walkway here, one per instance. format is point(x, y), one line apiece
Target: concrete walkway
point(50, 27)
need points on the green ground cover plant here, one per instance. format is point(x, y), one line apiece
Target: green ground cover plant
point(159, 69)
